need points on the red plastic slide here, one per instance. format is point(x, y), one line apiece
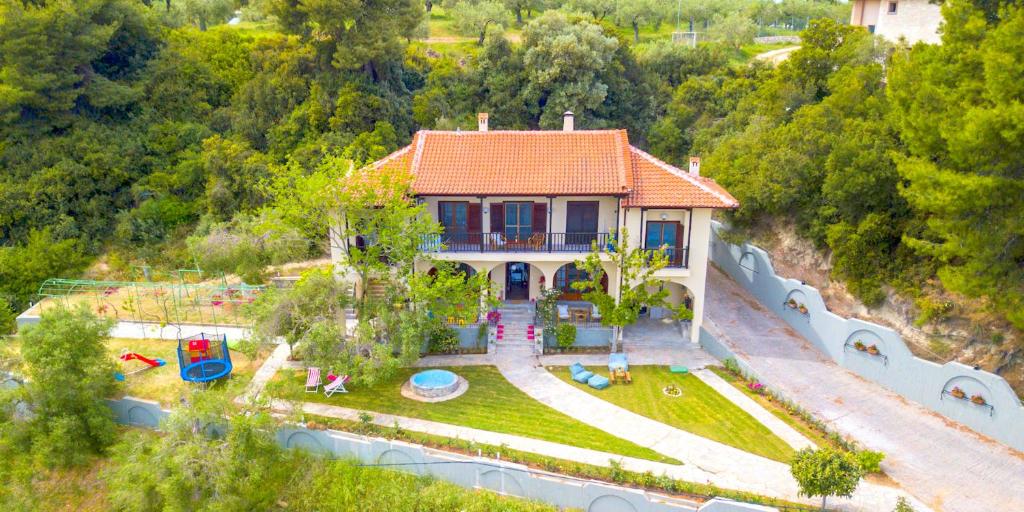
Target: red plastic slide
point(132, 355)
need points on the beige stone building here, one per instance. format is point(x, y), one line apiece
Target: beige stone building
point(523, 206)
point(913, 20)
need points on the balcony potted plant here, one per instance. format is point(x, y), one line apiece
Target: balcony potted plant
point(956, 392)
point(803, 309)
point(978, 399)
point(859, 345)
point(791, 303)
point(873, 349)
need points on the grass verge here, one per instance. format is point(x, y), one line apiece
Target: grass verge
point(700, 409)
point(491, 403)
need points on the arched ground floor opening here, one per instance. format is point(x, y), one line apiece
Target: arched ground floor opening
point(517, 281)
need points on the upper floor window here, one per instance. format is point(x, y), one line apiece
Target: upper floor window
point(518, 220)
point(454, 216)
point(892, 7)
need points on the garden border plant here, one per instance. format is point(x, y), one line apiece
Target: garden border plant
point(870, 460)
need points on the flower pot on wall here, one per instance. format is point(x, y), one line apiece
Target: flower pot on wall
point(957, 393)
point(978, 399)
point(873, 350)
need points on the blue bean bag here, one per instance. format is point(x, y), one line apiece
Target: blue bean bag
point(579, 373)
point(598, 382)
point(583, 377)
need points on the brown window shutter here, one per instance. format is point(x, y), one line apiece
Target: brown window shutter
point(540, 218)
point(474, 221)
point(497, 217)
point(678, 256)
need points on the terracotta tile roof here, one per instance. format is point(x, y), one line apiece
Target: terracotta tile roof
point(658, 184)
point(582, 162)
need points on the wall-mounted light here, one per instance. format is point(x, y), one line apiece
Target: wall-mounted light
point(487, 211)
point(664, 216)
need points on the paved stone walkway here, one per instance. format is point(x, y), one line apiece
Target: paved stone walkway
point(778, 427)
point(266, 372)
point(945, 464)
point(723, 465)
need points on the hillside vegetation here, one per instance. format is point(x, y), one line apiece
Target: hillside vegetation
point(902, 163)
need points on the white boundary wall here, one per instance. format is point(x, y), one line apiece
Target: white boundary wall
point(896, 368)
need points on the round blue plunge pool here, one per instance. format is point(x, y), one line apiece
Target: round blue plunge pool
point(434, 383)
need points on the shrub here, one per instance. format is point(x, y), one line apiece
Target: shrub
point(902, 505)
point(69, 376)
point(733, 367)
point(7, 317)
point(684, 314)
point(565, 334)
point(443, 339)
point(481, 334)
point(870, 461)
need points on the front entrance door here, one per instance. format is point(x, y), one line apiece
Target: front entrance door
point(517, 281)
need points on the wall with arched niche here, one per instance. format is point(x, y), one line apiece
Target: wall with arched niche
point(895, 367)
point(748, 265)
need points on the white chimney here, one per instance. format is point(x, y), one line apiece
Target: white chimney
point(481, 121)
point(694, 166)
point(567, 121)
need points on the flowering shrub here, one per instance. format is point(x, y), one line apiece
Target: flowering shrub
point(756, 387)
point(493, 317)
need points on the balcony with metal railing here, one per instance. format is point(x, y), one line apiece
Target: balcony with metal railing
point(513, 242)
point(678, 257)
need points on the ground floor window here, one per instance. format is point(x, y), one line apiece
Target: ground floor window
point(567, 275)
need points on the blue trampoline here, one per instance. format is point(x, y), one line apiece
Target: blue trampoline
point(204, 358)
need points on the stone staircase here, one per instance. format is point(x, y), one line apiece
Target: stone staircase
point(516, 325)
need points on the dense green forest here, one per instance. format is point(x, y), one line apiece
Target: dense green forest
point(152, 132)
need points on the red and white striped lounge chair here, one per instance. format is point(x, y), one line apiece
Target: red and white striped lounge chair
point(337, 385)
point(312, 379)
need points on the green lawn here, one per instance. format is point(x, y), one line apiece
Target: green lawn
point(164, 383)
point(700, 409)
point(491, 403)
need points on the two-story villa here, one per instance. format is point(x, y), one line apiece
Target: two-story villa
point(522, 206)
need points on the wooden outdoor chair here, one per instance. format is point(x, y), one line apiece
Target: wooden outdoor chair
point(536, 241)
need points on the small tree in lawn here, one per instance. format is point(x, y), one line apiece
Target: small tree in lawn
point(69, 376)
point(825, 472)
point(636, 268)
